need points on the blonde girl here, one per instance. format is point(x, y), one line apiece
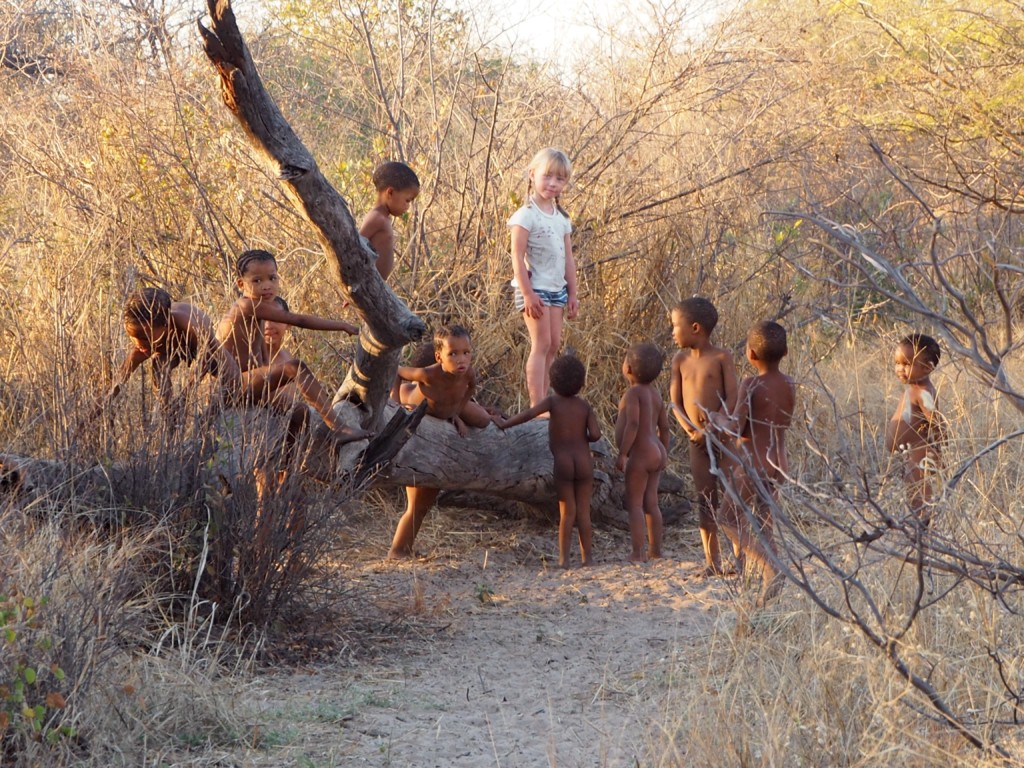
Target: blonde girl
point(543, 268)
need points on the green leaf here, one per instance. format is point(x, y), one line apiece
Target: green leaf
point(30, 675)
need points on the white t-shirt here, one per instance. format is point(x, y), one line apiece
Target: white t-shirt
point(545, 246)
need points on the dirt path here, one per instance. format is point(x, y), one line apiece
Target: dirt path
point(491, 658)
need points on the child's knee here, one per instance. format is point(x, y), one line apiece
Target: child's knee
point(706, 516)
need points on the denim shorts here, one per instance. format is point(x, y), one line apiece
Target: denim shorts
point(547, 298)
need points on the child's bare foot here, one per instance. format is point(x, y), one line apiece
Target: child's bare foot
point(712, 570)
point(401, 554)
point(588, 563)
point(638, 558)
point(563, 564)
point(655, 554)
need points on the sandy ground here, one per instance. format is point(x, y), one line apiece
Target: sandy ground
point(487, 656)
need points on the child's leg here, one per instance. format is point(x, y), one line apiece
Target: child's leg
point(707, 498)
point(653, 514)
point(566, 518)
point(919, 490)
point(420, 500)
point(734, 523)
point(545, 338)
point(313, 393)
point(475, 415)
point(584, 489)
point(636, 485)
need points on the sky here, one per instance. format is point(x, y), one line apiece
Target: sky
point(562, 31)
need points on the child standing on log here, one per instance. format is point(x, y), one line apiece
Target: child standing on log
point(571, 429)
point(543, 267)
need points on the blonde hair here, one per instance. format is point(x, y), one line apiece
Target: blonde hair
point(547, 159)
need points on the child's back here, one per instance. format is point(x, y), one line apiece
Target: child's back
point(572, 427)
point(769, 399)
point(397, 186)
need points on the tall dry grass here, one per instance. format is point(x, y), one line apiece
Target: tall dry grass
point(121, 169)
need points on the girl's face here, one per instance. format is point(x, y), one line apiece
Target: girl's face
point(548, 182)
point(260, 281)
point(911, 368)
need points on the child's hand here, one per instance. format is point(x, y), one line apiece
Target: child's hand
point(460, 426)
point(572, 307)
point(620, 462)
point(532, 305)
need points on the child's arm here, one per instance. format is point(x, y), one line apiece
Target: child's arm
point(533, 306)
point(926, 404)
point(663, 432)
point(457, 420)
point(573, 305)
point(409, 373)
point(729, 384)
point(627, 426)
point(735, 421)
point(593, 428)
point(271, 310)
point(676, 395)
point(135, 358)
point(524, 416)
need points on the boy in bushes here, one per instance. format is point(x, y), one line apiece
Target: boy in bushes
point(763, 413)
point(915, 432)
point(170, 333)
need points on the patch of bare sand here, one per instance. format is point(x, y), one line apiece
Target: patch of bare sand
point(490, 657)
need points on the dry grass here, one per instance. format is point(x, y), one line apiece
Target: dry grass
point(123, 170)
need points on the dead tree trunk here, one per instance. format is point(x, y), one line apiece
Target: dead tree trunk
point(387, 323)
point(514, 465)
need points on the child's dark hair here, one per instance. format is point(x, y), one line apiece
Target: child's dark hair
point(767, 340)
point(646, 362)
point(567, 375)
point(446, 332)
point(248, 257)
point(699, 310)
point(423, 355)
point(284, 304)
point(148, 307)
point(395, 175)
point(924, 347)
